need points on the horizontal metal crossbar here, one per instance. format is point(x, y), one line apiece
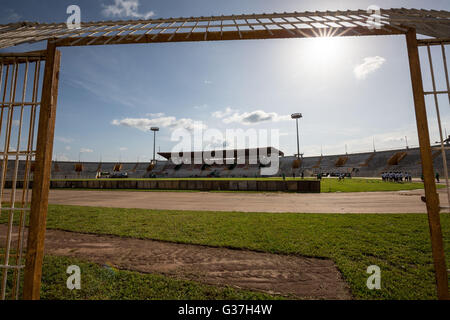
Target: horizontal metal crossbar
point(232, 27)
point(2, 266)
point(18, 153)
point(433, 42)
point(17, 104)
point(435, 92)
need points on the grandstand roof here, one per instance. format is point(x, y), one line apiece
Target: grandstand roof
point(224, 154)
point(432, 23)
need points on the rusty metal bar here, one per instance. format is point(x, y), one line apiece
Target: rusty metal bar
point(18, 261)
point(25, 189)
point(431, 195)
point(444, 59)
point(4, 169)
point(438, 114)
point(41, 176)
point(20, 67)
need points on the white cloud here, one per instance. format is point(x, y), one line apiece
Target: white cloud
point(86, 150)
point(123, 148)
point(248, 118)
point(369, 65)
point(155, 115)
point(207, 82)
point(9, 16)
point(221, 114)
point(203, 106)
point(125, 8)
point(63, 157)
point(68, 148)
point(173, 123)
point(64, 139)
point(213, 142)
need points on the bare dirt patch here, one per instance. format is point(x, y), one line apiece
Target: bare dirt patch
point(338, 202)
point(301, 277)
point(357, 202)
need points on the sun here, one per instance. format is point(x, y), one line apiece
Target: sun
point(322, 56)
point(322, 49)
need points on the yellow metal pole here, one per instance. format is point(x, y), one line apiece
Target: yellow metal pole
point(431, 195)
point(41, 177)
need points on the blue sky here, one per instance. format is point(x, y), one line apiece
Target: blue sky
point(350, 90)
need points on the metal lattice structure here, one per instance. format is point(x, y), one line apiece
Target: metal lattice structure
point(431, 23)
point(20, 80)
point(434, 25)
point(435, 92)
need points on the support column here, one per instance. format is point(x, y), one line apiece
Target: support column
point(41, 176)
point(431, 195)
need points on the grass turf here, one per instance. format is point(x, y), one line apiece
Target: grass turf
point(102, 283)
point(105, 283)
point(398, 243)
point(366, 185)
point(327, 185)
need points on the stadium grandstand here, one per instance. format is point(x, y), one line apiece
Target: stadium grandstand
point(244, 163)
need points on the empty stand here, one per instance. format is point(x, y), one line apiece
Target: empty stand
point(370, 164)
point(341, 161)
point(396, 158)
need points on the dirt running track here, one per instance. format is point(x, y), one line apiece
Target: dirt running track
point(276, 274)
point(357, 202)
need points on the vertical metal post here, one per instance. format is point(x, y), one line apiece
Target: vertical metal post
point(154, 145)
point(438, 114)
point(4, 175)
point(41, 178)
point(298, 143)
point(432, 198)
point(447, 81)
point(26, 178)
point(154, 129)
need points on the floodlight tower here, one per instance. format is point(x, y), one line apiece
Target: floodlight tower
point(154, 129)
point(297, 116)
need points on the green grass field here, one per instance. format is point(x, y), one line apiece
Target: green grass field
point(102, 283)
point(366, 185)
point(327, 184)
point(398, 243)
point(105, 283)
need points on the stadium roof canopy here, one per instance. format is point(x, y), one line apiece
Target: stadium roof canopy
point(431, 23)
point(223, 154)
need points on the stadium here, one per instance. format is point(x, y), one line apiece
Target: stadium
point(218, 224)
point(370, 164)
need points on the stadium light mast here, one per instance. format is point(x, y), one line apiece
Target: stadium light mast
point(297, 116)
point(154, 129)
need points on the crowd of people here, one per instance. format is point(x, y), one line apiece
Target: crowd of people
point(396, 176)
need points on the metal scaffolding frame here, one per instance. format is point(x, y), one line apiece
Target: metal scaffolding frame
point(18, 108)
point(232, 27)
point(435, 92)
point(408, 22)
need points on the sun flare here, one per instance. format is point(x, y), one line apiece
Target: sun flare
point(322, 49)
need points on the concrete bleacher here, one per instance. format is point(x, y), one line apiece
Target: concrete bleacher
point(370, 164)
